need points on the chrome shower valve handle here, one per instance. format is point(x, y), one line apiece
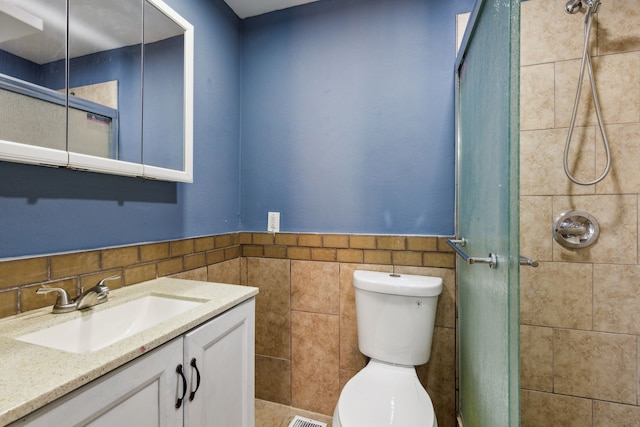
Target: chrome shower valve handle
point(575, 229)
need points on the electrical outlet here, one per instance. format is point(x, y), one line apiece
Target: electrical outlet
point(273, 222)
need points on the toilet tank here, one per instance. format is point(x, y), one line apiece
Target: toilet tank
point(396, 315)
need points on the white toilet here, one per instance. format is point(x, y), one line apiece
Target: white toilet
point(396, 315)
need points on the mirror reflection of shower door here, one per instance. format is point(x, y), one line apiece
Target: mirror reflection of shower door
point(487, 112)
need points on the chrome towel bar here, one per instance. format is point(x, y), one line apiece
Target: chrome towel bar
point(492, 260)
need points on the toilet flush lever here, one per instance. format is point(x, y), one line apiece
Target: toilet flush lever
point(456, 244)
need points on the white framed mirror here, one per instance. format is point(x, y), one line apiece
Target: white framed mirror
point(81, 103)
point(168, 92)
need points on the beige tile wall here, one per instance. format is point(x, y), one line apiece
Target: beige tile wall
point(306, 338)
point(580, 310)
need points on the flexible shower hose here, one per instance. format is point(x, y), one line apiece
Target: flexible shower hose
point(586, 60)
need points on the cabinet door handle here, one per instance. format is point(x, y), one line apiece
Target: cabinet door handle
point(184, 386)
point(193, 393)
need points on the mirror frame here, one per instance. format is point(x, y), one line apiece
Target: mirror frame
point(30, 154)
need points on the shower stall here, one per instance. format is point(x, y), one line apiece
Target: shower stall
point(579, 311)
point(546, 86)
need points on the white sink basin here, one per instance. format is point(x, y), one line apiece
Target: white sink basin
point(102, 328)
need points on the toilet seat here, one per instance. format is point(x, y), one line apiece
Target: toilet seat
point(383, 395)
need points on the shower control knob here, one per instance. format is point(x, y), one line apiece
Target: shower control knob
point(575, 229)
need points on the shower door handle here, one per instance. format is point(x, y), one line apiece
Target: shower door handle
point(492, 259)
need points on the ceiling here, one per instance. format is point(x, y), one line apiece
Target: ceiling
point(247, 8)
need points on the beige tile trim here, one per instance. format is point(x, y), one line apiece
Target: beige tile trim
point(138, 263)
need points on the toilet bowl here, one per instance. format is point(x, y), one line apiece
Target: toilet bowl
point(384, 395)
point(395, 315)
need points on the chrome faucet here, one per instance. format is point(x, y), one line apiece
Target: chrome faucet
point(95, 295)
point(87, 298)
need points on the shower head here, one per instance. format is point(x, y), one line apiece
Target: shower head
point(573, 6)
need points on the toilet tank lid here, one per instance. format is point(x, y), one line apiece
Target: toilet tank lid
point(397, 284)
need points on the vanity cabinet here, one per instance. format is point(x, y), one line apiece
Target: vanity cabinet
point(215, 386)
point(223, 352)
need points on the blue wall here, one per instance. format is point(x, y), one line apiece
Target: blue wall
point(348, 117)
point(46, 210)
point(18, 67)
point(338, 114)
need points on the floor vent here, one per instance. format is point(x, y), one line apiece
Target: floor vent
point(299, 421)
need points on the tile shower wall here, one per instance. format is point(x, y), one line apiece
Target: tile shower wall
point(580, 311)
point(306, 340)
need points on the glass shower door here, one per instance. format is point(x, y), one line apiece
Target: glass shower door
point(487, 113)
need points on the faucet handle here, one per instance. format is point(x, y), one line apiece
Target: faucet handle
point(101, 290)
point(101, 284)
point(63, 295)
point(63, 301)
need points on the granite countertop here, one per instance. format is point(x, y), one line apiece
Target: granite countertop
point(33, 376)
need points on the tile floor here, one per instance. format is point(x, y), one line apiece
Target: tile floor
point(269, 414)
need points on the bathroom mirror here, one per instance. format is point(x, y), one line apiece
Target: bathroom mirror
point(32, 104)
point(115, 98)
point(105, 75)
point(164, 90)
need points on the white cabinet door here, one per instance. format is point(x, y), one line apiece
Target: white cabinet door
point(141, 393)
point(223, 350)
